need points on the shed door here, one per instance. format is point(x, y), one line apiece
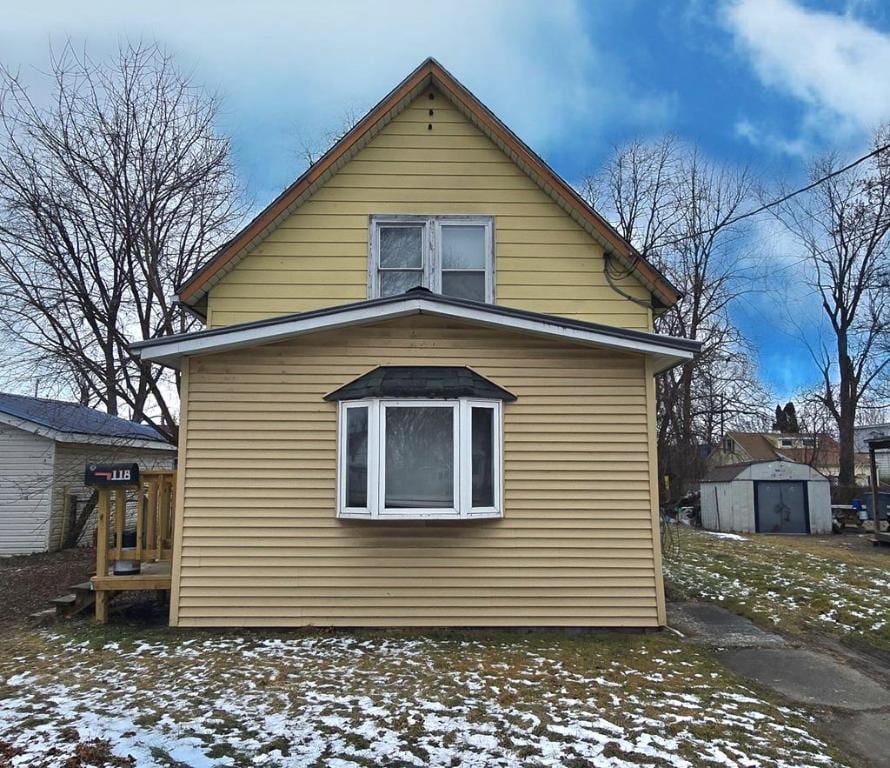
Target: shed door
point(781, 506)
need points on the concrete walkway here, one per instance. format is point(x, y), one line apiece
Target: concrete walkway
point(808, 677)
point(857, 703)
point(710, 624)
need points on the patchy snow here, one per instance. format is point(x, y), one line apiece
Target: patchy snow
point(776, 583)
point(721, 535)
point(345, 700)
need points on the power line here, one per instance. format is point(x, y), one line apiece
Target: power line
point(780, 200)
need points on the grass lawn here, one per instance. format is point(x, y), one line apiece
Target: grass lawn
point(838, 585)
point(118, 695)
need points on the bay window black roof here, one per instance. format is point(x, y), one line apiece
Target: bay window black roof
point(430, 381)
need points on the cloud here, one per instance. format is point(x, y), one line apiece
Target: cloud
point(837, 66)
point(758, 136)
point(288, 69)
point(781, 313)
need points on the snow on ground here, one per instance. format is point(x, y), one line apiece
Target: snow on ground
point(793, 583)
point(608, 701)
point(721, 535)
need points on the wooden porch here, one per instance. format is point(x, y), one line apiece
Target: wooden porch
point(134, 523)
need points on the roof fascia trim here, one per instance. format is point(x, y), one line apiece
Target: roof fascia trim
point(168, 352)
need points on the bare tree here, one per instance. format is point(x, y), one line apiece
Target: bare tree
point(843, 224)
point(817, 430)
point(311, 148)
point(110, 196)
point(677, 209)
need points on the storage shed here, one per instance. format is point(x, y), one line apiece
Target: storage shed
point(766, 497)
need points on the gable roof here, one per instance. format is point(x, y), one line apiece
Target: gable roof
point(434, 381)
point(430, 72)
point(168, 350)
point(755, 445)
point(70, 422)
point(826, 452)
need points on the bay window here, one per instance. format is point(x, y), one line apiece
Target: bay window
point(419, 459)
point(451, 255)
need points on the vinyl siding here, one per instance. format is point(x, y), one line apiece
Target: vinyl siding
point(72, 458)
point(26, 468)
point(259, 543)
point(544, 261)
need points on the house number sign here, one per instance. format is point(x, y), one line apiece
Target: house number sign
point(111, 474)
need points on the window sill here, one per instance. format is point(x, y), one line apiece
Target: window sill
point(394, 517)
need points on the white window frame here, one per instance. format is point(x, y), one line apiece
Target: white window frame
point(463, 461)
point(432, 247)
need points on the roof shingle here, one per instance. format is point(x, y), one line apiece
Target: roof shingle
point(434, 381)
point(72, 418)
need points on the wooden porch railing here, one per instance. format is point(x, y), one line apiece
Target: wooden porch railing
point(149, 508)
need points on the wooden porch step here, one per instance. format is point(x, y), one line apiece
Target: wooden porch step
point(64, 601)
point(80, 598)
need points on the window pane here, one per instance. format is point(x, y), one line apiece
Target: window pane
point(393, 283)
point(419, 457)
point(464, 285)
point(463, 247)
point(483, 457)
point(401, 247)
point(356, 457)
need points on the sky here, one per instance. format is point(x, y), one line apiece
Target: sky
point(762, 84)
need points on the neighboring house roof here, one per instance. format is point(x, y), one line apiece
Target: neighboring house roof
point(435, 381)
point(70, 422)
point(168, 350)
point(755, 445)
point(758, 447)
point(430, 72)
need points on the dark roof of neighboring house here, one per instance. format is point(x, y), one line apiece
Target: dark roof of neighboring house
point(71, 418)
point(421, 381)
point(430, 72)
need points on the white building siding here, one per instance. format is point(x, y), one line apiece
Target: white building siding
point(882, 458)
point(728, 507)
point(26, 470)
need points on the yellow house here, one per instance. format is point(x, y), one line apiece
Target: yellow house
point(425, 394)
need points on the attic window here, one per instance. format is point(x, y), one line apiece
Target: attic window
point(451, 255)
point(420, 458)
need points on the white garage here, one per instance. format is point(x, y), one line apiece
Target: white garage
point(766, 497)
